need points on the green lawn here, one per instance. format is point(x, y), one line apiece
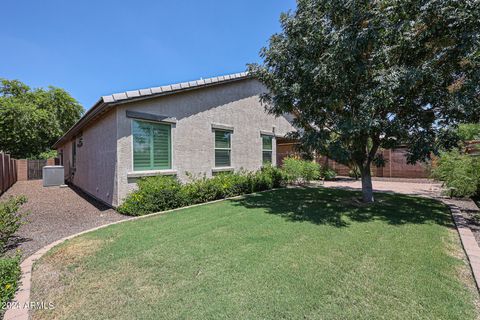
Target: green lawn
point(287, 254)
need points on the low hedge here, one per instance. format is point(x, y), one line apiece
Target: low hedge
point(10, 218)
point(459, 172)
point(10, 221)
point(9, 276)
point(161, 193)
point(301, 171)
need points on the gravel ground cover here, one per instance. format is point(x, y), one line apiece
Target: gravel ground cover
point(470, 212)
point(54, 213)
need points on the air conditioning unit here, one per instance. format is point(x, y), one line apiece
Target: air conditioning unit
point(53, 176)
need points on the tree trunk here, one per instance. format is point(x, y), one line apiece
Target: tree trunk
point(367, 189)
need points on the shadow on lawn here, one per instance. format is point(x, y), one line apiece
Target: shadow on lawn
point(338, 207)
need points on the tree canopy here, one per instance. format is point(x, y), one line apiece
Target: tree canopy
point(364, 75)
point(31, 120)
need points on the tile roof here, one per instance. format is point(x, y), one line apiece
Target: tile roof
point(107, 102)
point(116, 97)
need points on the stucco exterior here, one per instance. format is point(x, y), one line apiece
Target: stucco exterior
point(105, 160)
point(96, 158)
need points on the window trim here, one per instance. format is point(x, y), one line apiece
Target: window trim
point(170, 151)
point(262, 136)
point(150, 117)
point(74, 153)
point(222, 127)
point(229, 167)
point(151, 173)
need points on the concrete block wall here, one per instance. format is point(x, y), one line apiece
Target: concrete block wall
point(22, 169)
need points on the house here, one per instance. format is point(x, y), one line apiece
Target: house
point(199, 127)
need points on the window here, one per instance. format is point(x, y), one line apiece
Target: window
point(222, 148)
point(267, 149)
point(74, 153)
point(151, 146)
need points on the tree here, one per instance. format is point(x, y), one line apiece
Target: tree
point(364, 75)
point(32, 120)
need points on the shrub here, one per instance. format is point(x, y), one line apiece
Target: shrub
point(10, 221)
point(297, 170)
point(354, 172)
point(328, 174)
point(222, 185)
point(459, 172)
point(292, 168)
point(154, 194)
point(272, 176)
point(469, 131)
point(9, 276)
point(310, 171)
point(200, 190)
point(10, 218)
point(162, 193)
point(261, 180)
point(232, 184)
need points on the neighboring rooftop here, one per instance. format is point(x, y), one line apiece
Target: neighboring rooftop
point(107, 102)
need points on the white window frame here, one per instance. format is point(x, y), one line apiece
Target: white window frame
point(132, 156)
point(222, 168)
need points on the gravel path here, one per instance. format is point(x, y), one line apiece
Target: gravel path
point(54, 213)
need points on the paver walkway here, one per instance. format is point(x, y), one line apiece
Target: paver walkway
point(428, 188)
point(54, 213)
point(422, 187)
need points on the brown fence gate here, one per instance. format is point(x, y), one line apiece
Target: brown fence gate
point(34, 168)
point(8, 172)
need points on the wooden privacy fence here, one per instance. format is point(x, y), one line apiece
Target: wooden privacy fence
point(8, 172)
point(396, 166)
point(473, 147)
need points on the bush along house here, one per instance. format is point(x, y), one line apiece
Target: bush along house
point(200, 127)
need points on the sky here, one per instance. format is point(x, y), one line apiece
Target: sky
point(95, 48)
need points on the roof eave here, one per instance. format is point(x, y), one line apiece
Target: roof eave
point(99, 106)
point(108, 101)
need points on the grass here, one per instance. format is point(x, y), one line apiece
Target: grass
point(288, 254)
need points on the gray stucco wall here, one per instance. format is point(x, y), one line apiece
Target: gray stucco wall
point(96, 159)
point(233, 104)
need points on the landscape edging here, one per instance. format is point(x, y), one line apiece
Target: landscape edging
point(22, 295)
point(469, 243)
